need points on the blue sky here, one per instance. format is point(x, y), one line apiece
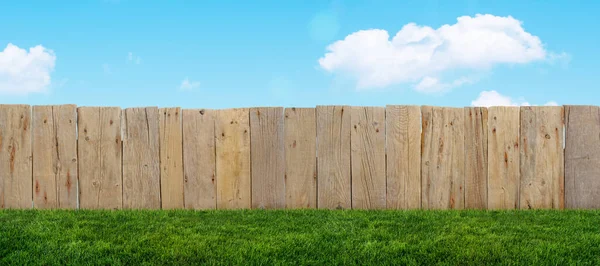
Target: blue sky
point(223, 54)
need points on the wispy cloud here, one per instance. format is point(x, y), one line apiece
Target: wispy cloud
point(106, 69)
point(131, 58)
point(186, 84)
point(493, 98)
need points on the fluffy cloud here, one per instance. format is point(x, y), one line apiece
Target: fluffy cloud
point(23, 72)
point(493, 98)
point(421, 54)
point(186, 84)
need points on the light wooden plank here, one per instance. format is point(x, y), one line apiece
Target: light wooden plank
point(99, 154)
point(15, 157)
point(333, 157)
point(443, 155)
point(232, 130)
point(503, 157)
point(403, 132)
point(476, 138)
point(582, 157)
point(541, 157)
point(171, 158)
point(199, 159)
point(55, 157)
point(141, 171)
point(300, 158)
point(267, 158)
point(368, 157)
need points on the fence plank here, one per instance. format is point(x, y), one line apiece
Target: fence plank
point(476, 172)
point(141, 170)
point(15, 157)
point(541, 157)
point(503, 157)
point(368, 157)
point(54, 157)
point(333, 157)
point(443, 165)
point(199, 159)
point(267, 158)
point(403, 131)
point(582, 157)
point(300, 158)
point(232, 129)
point(171, 158)
point(99, 155)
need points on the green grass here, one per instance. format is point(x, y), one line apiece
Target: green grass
point(313, 237)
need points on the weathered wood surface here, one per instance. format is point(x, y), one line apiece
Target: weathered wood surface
point(582, 157)
point(141, 161)
point(267, 158)
point(333, 157)
point(99, 152)
point(15, 157)
point(443, 155)
point(476, 172)
point(542, 157)
point(232, 130)
point(503, 157)
point(368, 157)
point(199, 159)
point(300, 158)
point(55, 157)
point(403, 132)
point(171, 158)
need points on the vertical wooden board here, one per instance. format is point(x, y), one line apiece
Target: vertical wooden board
point(582, 157)
point(267, 158)
point(368, 157)
point(443, 155)
point(300, 158)
point(99, 151)
point(476, 123)
point(15, 157)
point(333, 157)
point(503, 157)
point(141, 172)
point(44, 158)
point(541, 157)
point(232, 130)
point(171, 158)
point(403, 133)
point(55, 157)
point(199, 159)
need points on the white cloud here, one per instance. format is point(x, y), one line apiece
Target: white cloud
point(420, 54)
point(23, 72)
point(186, 84)
point(133, 58)
point(493, 98)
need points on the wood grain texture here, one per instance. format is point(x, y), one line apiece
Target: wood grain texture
point(99, 149)
point(300, 158)
point(368, 157)
point(171, 158)
point(15, 157)
point(403, 132)
point(542, 157)
point(267, 158)
point(199, 159)
point(141, 169)
point(232, 130)
point(582, 157)
point(503, 157)
point(476, 138)
point(55, 157)
point(443, 155)
point(333, 157)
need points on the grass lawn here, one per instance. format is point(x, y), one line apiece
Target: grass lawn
point(310, 237)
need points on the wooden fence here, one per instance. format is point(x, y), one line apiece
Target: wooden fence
point(331, 157)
